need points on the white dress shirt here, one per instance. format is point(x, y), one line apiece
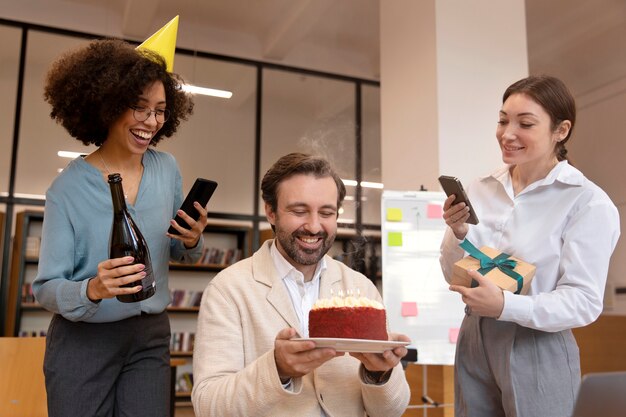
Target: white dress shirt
point(303, 294)
point(563, 224)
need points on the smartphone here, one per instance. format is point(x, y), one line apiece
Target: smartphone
point(452, 185)
point(201, 191)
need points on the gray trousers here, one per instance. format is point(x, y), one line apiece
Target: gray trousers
point(108, 369)
point(503, 369)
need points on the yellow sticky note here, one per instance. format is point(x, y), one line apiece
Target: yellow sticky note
point(394, 238)
point(394, 214)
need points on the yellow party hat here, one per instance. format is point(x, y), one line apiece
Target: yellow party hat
point(163, 42)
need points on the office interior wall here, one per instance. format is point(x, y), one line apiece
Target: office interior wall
point(598, 148)
point(479, 54)
point(444, 67)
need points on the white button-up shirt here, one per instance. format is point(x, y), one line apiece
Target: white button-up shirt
point(563, 224)
point(303, 294)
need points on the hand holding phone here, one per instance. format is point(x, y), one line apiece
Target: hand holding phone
point(201, 191)
point(452, 185)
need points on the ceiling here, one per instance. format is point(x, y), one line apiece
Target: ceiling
point(581, 41)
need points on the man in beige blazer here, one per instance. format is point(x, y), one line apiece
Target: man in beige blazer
point(245, 363)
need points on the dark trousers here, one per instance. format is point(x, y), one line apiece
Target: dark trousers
point(118, 369)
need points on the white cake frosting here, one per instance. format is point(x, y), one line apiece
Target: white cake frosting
point(349, 301)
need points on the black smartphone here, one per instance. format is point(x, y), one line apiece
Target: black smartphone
point(452, 185)
point(201, 191)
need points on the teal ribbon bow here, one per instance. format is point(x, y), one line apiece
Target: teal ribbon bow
point(502, 262)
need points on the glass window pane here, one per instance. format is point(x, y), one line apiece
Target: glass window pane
point(304, 113)
point(217, 142)
point(220, 132)
point(371, 165)
point(40, 137)
point(10, 40)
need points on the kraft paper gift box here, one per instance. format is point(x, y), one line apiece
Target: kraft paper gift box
point(497, 267)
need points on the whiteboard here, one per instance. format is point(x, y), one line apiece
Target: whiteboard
point(416, 295)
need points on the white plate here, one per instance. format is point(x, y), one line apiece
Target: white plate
point(354, 345)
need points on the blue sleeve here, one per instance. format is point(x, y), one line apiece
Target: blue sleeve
point(56, 287)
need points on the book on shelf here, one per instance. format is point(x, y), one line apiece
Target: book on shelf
point(182, 341)
point(32, 247)
point(217, 256)
point(33, 333)
point(185, 298)
point(27, 293)
point(184, 382)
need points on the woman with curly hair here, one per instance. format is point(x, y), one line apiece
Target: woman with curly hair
point(104, 357)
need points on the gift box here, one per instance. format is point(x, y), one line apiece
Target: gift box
point(507, 272)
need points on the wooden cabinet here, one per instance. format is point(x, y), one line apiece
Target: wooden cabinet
point(22, 388)
point(602, 344)
point(432, 390)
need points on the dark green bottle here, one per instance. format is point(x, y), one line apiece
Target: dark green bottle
point(127, 240)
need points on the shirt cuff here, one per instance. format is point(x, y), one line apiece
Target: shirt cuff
point(375, 377)
point(288, 386)
point(517, 308)
point(83, 293)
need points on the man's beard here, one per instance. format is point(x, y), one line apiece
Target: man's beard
point(301, 255)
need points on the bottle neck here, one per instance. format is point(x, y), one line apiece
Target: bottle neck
point(117, 196)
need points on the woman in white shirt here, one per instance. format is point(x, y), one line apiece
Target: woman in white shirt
point(516, 355)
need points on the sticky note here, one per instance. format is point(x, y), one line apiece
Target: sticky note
point(394, 214)
point(394, 239)
point(453, 334)
point(409, 309)
point(434, 211)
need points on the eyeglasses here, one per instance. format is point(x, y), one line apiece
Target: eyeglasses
point(141, 114)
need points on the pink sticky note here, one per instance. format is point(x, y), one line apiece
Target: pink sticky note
point(409, 309)
point(453, 334)
point(434, 211)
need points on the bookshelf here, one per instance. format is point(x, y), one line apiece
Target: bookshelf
point(23, 314)
point(224, 244)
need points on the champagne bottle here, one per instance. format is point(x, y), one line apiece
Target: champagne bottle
point(127, 240)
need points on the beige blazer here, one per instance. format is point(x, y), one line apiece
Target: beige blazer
point(243, 308)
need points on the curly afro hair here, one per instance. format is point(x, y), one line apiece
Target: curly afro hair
point(90, 87)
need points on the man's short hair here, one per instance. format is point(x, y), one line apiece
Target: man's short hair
point(294, 164)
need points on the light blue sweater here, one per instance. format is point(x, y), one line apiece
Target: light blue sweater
point(75, 238)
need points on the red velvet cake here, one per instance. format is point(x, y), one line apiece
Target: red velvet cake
point(348, 318)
